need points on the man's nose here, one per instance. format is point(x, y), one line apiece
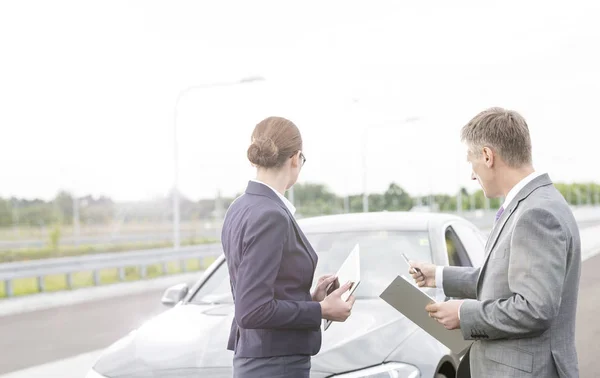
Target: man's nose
point(473, 177)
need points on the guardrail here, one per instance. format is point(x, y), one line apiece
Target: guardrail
point(97, 262)
point(121, 260)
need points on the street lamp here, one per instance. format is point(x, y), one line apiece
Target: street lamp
point(176, 215)
point(76, 226)
point(364, 155)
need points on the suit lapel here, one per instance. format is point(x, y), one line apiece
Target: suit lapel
point(538, 182)
point(307, 246)
point(263, 190)
point(493, 239)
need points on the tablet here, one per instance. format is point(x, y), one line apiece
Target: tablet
point(349, 271)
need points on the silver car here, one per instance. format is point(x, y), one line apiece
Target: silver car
point(189, 340)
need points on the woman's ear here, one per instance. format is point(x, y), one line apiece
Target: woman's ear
point(296, 159)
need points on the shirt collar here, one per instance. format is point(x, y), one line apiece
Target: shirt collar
point(517, 188)
point(285, 201)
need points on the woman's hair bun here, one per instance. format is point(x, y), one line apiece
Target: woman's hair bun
point(263, 152)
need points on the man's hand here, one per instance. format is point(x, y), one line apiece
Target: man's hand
point(321, 290)
point(445, 313)
point(427, 276)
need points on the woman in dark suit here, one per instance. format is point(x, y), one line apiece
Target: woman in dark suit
point(277, 321)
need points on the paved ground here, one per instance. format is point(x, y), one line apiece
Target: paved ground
point(48, 335)
point(588, 323)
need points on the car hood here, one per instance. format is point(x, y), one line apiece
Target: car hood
point(195, 336)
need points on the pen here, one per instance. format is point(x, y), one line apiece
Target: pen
point(416, 269)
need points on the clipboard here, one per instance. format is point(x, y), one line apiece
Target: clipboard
point(408, 299)
point(349, 271)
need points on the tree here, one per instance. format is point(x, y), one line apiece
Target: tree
point(445, 202)
point(377, 202)
point(397, 199)
point(310, 199)
point(314, 199)
point(6, 213)
point(64, 207)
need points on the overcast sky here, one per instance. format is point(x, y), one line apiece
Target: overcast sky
point(88, 90)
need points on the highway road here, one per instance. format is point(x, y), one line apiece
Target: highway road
point(587, 334)
point(54, 334)
point(48, 335)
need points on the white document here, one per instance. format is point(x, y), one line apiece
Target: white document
point(408, 299)
point(349, 271)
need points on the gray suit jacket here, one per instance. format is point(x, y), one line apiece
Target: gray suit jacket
point(524, 298)
point(271, 266)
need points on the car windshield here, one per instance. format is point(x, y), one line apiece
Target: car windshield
point(380, 255)
point(380, 258)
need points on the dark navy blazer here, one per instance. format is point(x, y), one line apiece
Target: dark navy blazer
point(271, 266)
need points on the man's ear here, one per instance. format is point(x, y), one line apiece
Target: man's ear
point(488, 157)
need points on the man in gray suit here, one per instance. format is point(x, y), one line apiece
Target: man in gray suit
point(520, 306)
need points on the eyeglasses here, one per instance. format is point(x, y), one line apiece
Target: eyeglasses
point(302, 158)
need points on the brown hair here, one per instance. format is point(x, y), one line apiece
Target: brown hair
point(274, 140)
point(504, 131)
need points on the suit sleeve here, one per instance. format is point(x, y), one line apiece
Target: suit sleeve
point(256, 305)
point(460, 281)
point(536, 272)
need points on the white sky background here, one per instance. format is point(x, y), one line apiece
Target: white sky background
point(87, 90)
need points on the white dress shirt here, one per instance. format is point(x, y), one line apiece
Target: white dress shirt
point(439, 276)
point(286, 202)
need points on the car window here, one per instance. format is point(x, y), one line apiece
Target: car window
point(451, 249)
point(457, 255)
point(380, 255)
point(473, 241)
point(381, 261)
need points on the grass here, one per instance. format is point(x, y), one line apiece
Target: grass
point(69, 250)
point(53, 283)
point(27, 286)
point(24, 232)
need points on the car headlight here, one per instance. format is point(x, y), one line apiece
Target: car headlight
point(389, 370)
point(92, 374)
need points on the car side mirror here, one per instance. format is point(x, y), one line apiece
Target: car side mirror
point(174, 294)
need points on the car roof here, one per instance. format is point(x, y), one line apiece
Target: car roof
point(389, 220)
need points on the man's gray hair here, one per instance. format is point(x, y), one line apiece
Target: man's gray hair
point(504, 131)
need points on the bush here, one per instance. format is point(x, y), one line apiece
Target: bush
point(55, 237)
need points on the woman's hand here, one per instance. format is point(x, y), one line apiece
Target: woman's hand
point(334, 308)
point(322, 285)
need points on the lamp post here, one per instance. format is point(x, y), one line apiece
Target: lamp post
point(76, 226)
point(364, 156)
point(183, 92)
point(459, 190)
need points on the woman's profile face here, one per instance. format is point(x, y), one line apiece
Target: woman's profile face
point(295, 165)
